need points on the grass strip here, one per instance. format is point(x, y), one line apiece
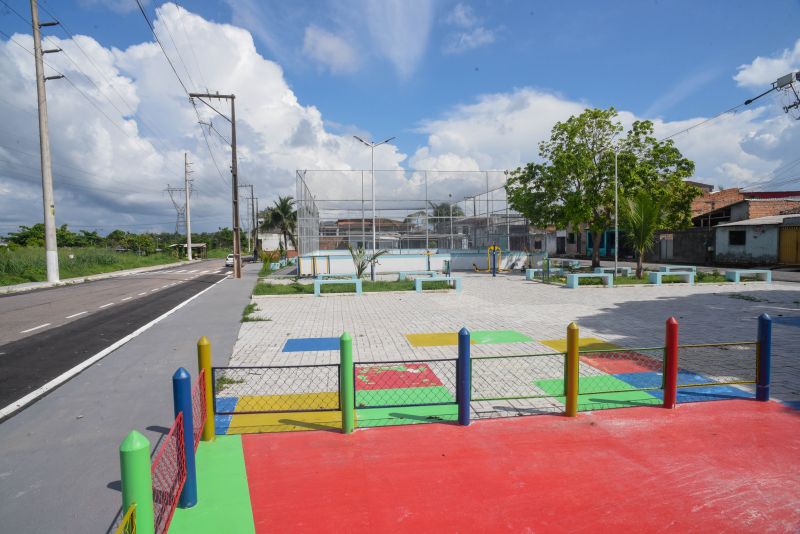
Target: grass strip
point(296, 288)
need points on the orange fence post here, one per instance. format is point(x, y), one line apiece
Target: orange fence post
point(571, 370)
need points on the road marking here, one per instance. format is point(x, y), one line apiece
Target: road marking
point(164, 287)
point(35, 328)
point(193, 271)
point(204, 272)
point(75, 315)
point(145, 293)
point(106, 305)
point(57, 381)
point(126, 298)
point(154, 290)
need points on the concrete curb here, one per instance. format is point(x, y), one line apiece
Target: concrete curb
point(30, 286)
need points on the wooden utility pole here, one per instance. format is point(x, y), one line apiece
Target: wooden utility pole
point(48, 202)
point(237, 245)
point(188, 218)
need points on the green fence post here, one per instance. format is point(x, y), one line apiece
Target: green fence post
point(346, 389)
point(137, 482)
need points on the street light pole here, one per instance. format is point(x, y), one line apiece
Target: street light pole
point(616, 212)
point(372, 146)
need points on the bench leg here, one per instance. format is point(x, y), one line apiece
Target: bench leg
point(316, 289)
point(358, 287)
point(418, 285)
point(458, 285)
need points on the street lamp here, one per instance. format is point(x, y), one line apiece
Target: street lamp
point(372, 149)
point(616, 148)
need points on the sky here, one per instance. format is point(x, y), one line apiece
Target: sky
point(462, 86)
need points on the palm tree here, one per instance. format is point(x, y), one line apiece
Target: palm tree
point(283, 218)
point(361, 259)
point(641, 217)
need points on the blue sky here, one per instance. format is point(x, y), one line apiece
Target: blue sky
point(462, 85)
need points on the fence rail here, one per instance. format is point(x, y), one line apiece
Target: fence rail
point(284, 389)
point(403, 384)
point(169, 475)
point(518, 377)
point(716, 364)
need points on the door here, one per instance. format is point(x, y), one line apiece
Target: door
point(561, 245)
point(789, 251)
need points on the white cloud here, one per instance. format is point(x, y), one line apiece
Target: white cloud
point(400, 30)
point(470, 35)
point(762, 71)
point(462, 16)
point(330, 50)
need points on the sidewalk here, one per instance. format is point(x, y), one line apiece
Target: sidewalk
point(30, 286)
point(59, 458)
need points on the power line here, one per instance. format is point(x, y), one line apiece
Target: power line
point(702, 122)
point(163, 50)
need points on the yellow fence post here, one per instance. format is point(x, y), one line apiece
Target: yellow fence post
point(204, 364)
point(573, 362)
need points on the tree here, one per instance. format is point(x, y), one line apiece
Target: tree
point(28, 236)
point(362, 260)
point(283, 218)
point(574, 184)
point(641, 217)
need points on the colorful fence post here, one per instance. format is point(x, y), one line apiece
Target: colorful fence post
point(763, 357)
point(204, 363)
point(346, 386)
point(463, 377)
point(671, 363)
point(137, 482)
point(571, 370)
point(182, 402)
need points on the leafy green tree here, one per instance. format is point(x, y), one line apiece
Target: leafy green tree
point(362, 259)
point(28, 236)
point(283, 218)
point(641, 217)
point(574, 183)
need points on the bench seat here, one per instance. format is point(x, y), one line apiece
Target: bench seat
point(455, 280)
point(654, 277)
point(573, 279)
point(318, 283)
point(735, 275)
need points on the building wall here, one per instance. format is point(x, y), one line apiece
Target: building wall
point(689, 246)
point(765, 208)
point(714, 201)
point(761, 245)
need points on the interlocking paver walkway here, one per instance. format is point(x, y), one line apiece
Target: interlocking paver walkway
point(630, 316)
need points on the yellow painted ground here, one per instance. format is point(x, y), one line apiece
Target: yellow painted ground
point(285, 422)
point(437, 339)
point(584, 344)
point(327, 400)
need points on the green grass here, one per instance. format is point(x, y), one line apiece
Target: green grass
point(700, 278)
point(265, 270)
point(28, 264)
point(218, 253)
point(263, 288)
point(247, 316)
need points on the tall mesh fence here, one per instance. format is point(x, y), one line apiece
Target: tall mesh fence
point(198, 407)
point(169, 475)
point(295, 388)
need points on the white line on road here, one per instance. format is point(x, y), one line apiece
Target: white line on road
point(106, 305)
point(35, 328)
point(126, 298)
point(193, 271)
point(75, 315)
point(164, 287)
point(57, 381)
point(154, 290)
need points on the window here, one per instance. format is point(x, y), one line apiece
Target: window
point(737, 237)
point(571, 238)
point(537, 245)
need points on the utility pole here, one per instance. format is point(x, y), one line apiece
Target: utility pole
point(188, 218)
point(237, 244)
point(48, 202)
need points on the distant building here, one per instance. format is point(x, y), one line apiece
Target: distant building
point(759, 241)
point(731, 205)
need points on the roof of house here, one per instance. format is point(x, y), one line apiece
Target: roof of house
point(759, 221)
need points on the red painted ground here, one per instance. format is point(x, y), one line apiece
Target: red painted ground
point(622, 362)
point(394, 376)
point(729, 466)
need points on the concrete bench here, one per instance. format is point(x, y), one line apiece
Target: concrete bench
point(573, 280)
point(677, 268)
point(564, 264)
point(405, 274)
point(530, 274)
point(319, 282)
point(455, 280)
point(654, 277)
point(735, 275)
point(623, 271)
point(328, 276)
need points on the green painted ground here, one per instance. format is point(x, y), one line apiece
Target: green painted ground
point(373, 417)
point(223, 497)
point(383, 397)
point(498, 336)
point(626, 397)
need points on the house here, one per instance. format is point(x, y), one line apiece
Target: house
point(759, 241)
point(731, 205)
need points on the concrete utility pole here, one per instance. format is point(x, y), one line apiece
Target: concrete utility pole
point(48, 202)
point(188, 191)
point(237, 245)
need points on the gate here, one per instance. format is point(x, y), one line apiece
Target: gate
point(290, 388)
point(789, 251)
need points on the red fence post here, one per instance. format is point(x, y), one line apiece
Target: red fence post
point(671, 363)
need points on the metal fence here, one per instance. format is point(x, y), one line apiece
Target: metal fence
point(620, 370)
point(128, 523)
point(292, 388)
point(198, 407)
point(528, 376)
point(403, 384)
point(717, 364)
point(169, 475)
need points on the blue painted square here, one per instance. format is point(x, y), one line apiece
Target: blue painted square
point(685, 378)
point(642, 380)
point(308, 344)
point(223, 422)
point(792, 404)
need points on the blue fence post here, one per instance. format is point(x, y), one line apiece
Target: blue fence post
point(182, 401)
point(764, 357)
point(463, 377)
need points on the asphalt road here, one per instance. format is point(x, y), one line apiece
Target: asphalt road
point(47, 332)
point(59, 457)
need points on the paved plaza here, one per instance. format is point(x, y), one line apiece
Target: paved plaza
point(631, 317)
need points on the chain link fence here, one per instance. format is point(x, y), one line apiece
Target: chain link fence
point(717, 364)
point(169, 474)
point(198, 407)
point(403, 384)
point(294, 388)
point(620, 370)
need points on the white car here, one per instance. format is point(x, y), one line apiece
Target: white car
point(229, 261)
